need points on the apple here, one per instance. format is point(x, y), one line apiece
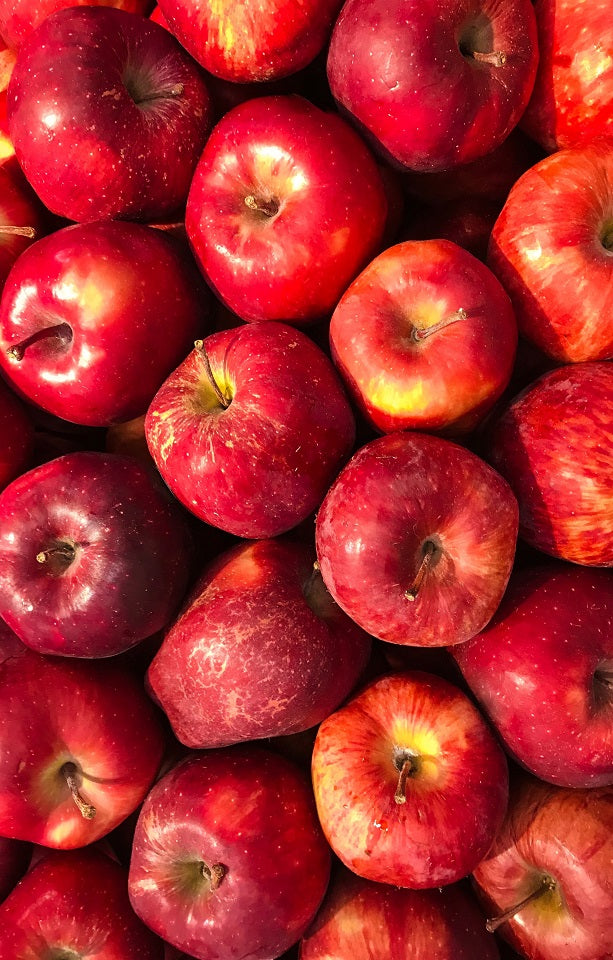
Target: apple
point(108, 115)
point(286, 206)
point(228, 857)
point(260, 650)
point(410, 783)
point(251, 428)
point(74, 905)
point(554, 445)
point(434, 87)
point(547, 881)
point(552, 249)
point(14, 858)
point(416, 539)
point(360, 920)
point(424, 338)
point(17, 436)
point(95, 316)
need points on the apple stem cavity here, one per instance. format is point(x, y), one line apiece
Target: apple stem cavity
point(268, 207)
point(429, 550)
point(70, 774)
point(222, 398)
point(28, 232)
point(61, 332)
point(419, 334)
point(547, 884)
point(214, 874)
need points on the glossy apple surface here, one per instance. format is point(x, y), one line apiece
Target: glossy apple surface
point(286, 206)
point(124, 140)
point(434, 88)
point(410, 783)
point(554, 445)
point(555, 847)
point(424, 338)
point(251, 428)
point(416, 539)
point(552, 249)
point(229, 834)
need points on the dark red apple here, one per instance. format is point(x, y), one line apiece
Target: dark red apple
point(434, 87)
point(108, 115)
point(14, 858)
point(251, 429)
point(286, 206)
point(228, 857)
point(18, 18)
point(554, 444)
point(17, 436)
point(424, 338)
point(416, 540)
point(410, 784)
point(94, 318)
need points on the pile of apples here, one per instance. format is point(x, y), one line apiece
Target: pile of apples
point(306, 480)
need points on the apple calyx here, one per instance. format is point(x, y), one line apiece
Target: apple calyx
point(62, 332)
point(61, 556)
point(214, 874)
point(71, 775)
point(223, 399)
point(546, 885)
point(422, 333)
point(430, 552)
point(28, 232)
point(267, 206)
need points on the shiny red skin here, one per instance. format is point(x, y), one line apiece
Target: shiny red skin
point(134, 303)
point(396, 493)
point(18, 18)
point(455, 799)
point(252, 812)
point(447, 381)
point(543, 672)
point(396, 66)
point(547, 250)
point(251, 40)
point(132, 560)
point(19, 207)
point(554, 445)
point(294, 265)
point(75, 903)
point(572, 100)
point(14, 857)
point(261, 650)
point(17, 434)
point(360, 920)
point(57, 711)
point(87, 147)
point(260, 466)
point(566, 835)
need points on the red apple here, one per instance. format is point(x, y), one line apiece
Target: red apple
point(416, 540)
point(251, 429)
point(434, 87)
point(554, 444)
point(424, 338)
point(95, 317)
point(108, 115)
point(18, 18)
point(410, 784)
point(228, 857)
point(547, 881)
point(17, 436)
point(286, 206)
point(552, 249)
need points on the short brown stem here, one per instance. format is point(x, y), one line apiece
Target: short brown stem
point(28, 232)
point(267, 206)
point(58, 331)
point(70, 773)
point(495, 922)
point(64, 552)
point(418, 334)
point(400, 795)
point(429, 550)
point(496, 58)
point(214, 874)
point(200, 348)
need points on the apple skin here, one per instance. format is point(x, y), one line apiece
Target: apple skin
point(406, 72)
point(564, 835)
point(56, 711)
point(261, 649)
point(542, 671)
point(74, 904)
point(397, 495)
point(17, 436)
point(326, 206)
point(456, 795)
point(250, 813)
point(552, 250)
point(260, 466)
point(14, 859)
point(572, 100)
point(252, 40)
point(404, 373)
point(123, 141)
point(121, 304)
point(554, 445)
point(360, 920)
point(18, 18)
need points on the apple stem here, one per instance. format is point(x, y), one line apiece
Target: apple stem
point(214, 874)
point(59, 331)
point(87, 810)
point(426, 562)
point(200, 348)
point(268, 207)
point(546, 884)
point(406, 768)
point(496, 58)
point(63, 551)
point(425, 332)
point(28, 232)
